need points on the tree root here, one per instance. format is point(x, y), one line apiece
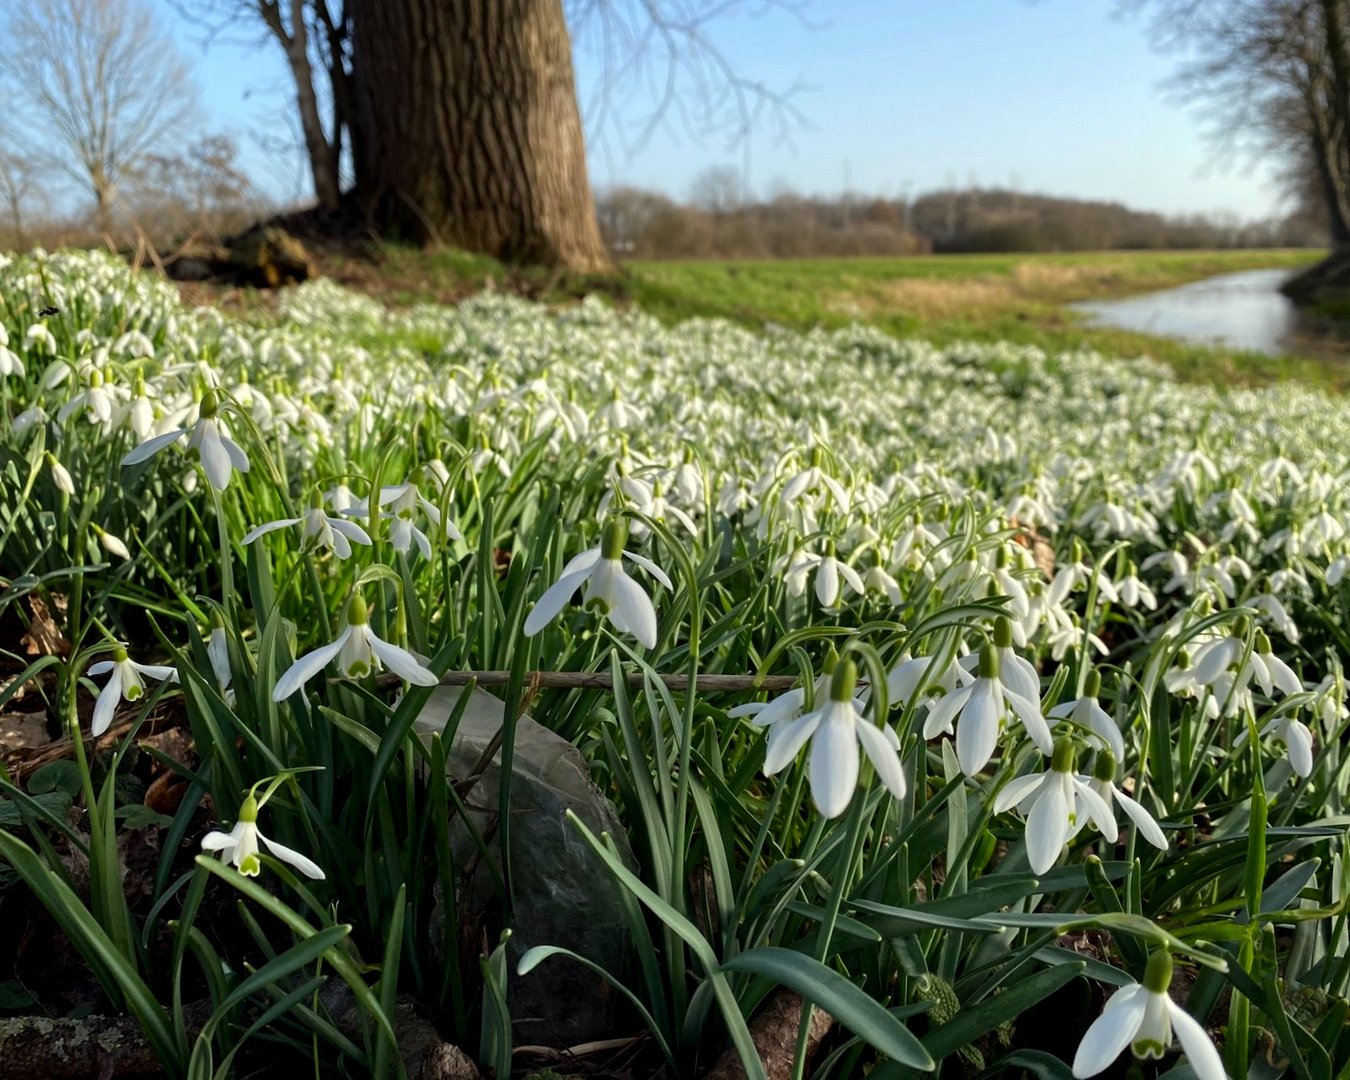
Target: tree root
point(774, 1032)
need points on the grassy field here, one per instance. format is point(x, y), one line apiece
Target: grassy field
point(1021, 298)
point(944, 298)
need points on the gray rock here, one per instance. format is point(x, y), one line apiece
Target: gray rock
point(564, 895)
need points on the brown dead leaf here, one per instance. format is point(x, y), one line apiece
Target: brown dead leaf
point(1041, 549)
point(19, 731)
point(165, 794)
point(44, 637)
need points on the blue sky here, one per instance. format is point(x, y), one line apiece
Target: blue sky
point(1057, 96)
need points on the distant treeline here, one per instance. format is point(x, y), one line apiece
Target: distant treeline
point(715, 224)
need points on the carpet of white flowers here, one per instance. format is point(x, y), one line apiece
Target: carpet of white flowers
point(1067, 638)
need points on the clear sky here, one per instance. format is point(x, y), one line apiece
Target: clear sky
point(1055, 96)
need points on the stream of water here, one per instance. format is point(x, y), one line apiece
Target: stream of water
point(1245, 310)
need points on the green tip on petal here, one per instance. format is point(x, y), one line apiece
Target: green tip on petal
point(250, 866)
point(614, 538)
point(357, 612)
point(1158, 974)
point(844, 681)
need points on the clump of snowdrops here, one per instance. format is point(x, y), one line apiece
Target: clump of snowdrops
point(1068, 636)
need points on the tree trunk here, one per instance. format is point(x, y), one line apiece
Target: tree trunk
point(465, 129)
point(323, 154)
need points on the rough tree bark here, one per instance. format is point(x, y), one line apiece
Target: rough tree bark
point(466, 130)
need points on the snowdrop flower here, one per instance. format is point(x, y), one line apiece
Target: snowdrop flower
point(60, 475)
point(220, 455)
point(34, 416)
point(334, 533)
point(779, 714)
point(1016, 672)
point(358, 652)
point(97, 401)
point(126, 684)
point(836, 727)
point(980, 712)
point(828, 569)
point(608, 588)
point(113, 545)
point(912, 676)
point(877, 580)
point(40, 339)
point(1144, 1018)
point(815, 480)
point(240, 845)
point(10, 364)
point(1135, 593)
point(1335, 572)
point(1177, 564)
point(1087, 713)
point(1050, 803)
point(1297, 739)
point(1329, 699)
point(1103, 782)
point(1069, 577)
point(403, 502)
point(218, 653)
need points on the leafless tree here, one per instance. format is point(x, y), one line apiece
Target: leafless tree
point(96, 84)
point(19, 175)
point(457, 115)
point(314, 36)
point(1275, 76)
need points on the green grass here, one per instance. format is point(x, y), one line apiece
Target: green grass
point(1020, 298)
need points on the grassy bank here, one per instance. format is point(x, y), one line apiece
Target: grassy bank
point(944, 298)
point(1021, 298)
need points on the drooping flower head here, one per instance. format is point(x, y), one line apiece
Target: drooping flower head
point(609, 589)
point(1144, 1018)
point(359, 652)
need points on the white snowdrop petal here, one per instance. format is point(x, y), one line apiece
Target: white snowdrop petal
point(555, 598)
point(302, 863)
point(1148, 827)
point(834, 764)
point(307, 667)
point(1110, 1033)
point(402, 663)
point(633, 612)
point(881, 753)
point(977, 730)
point(1196, 1044)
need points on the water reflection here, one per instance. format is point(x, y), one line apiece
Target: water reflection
point(1240, 311)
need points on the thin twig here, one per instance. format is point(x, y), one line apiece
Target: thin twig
point(595, 680)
